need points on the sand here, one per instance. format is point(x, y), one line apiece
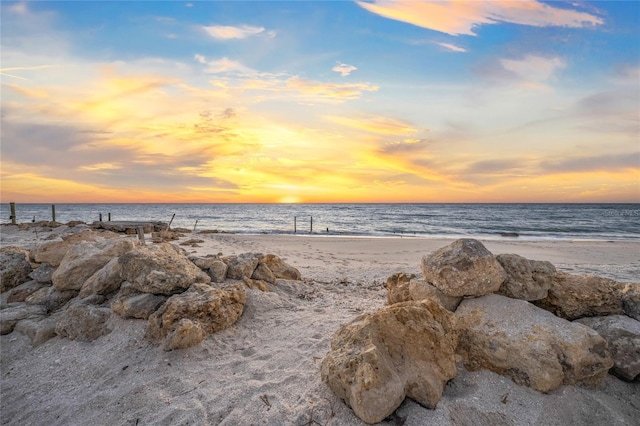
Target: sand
point(265, 368)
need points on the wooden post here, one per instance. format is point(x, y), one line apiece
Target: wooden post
point(295, 224)
point(100, 217)
point(109, 217)
point(13, 213)
point(312, 224)
point(171, 221)
point(194, 225)
point(53, 212)
point(140, 231)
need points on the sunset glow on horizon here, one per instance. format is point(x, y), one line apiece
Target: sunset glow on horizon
point(303, 102)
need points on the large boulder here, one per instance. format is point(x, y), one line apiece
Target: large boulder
point(14, 270)
point(24, 290)
point(463, 268)
point(86, 258)
point(280, 268)
point(10, 316)
point(242, 265)
point(405, 287)
point(398, 287)
point(83, 322)
point(263, 273)
point(526, 279)
point(160, 269)
point(213, 266)
point(43, 273)
point(52, 252)
point(129, 303)
point(51, 298)
point(104, 281)
point(534, 347)
point(631, 302)
point(576, 296)
point(378, 359)
point(212, 308)
point(623, 337)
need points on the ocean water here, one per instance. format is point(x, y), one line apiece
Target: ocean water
point(530, 221)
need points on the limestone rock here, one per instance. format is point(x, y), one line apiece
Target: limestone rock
point(623, 337)
point(83, 322)
point(10, 316)
point(535, 348)
point(14, 270)
point(243, 265)
point(463, 268)
point(213, 266)
point(137, 305)
point(160, 269)
point(398, 287)
point(378, 359)
point(38, 330)
point(20, 293)
point(631, 302)
point(576, 296)
point(104, 281)
point(50, 298)
point(257, 284)
point(263, 273)
point(85, 258)
point(420, 289)
point(43, 273)
point(212, 308)
point(187, 333)
point(526, 279)
point(52, 252)
point(280, 268)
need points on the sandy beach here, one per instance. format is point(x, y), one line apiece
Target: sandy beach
point(264, 369)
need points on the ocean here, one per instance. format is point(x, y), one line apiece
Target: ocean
point(487, 221)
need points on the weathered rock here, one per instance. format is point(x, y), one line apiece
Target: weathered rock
point(203, 263)
point(14, 270)
point(104, 281)
point(38, 330)
point(86, 258)
point(187, 333)
point(398, 287)
point(10, 316)
point(257, 284)
point(623, 338)
point(420, 289)
point(43, 273)
point(160, 269)
point(280, 268)
point(631, 302)
point(212, 308)
point(535, 348)
point(263, 273)
point(576, 296)
point(526, 279)
point(213, 266)
point(463, 268)
point(243, 265)
point(378, 359)
point(53, 252)
point(20, 293)
point(83, 322)
point(138, 305)
point(50, 298)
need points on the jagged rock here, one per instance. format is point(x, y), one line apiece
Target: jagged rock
point(137, 305)
point(212, 308)
point(43, 273)
point(576, 296)
point(38, 330)
point(280, 268)
point(526, 279)
point(631, 302)
point(257, 284)
point(10, 316)
point(53, 252)
point(51, 298)
point(160, 269)
point(378, 359)
point(83, 322)
point(263, 273)
point(24, 290)
point(420, 289)
point(14, 270)
point(243, 265)
point(623, 337)
point(535, 348)
point(186, 334)
point(398, 287)
point(104, 281)
point(213, 266)
point(463, 268)
point(86, 258)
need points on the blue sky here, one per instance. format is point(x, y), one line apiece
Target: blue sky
point(486, 101)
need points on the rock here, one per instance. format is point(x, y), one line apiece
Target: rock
point(532, 346)
point(83, 322)
point(85, 258)
point(463, 268)
point(105, 280)
point(186, 334)
point(398, 287)
point(243, 265)
point(38, 330)
point(10, 316)
point(526, 279)
point(420, 289)
point(576, 296)
point(213, 266)
point(509, 234)
point(378, 359)
point(20, 293)
point(14, 270)
point(280, 268)
point(212, 308)
point(53, 252)
point(257, 284)
point(160, 269)
point(43, 273)
point(138, 305)
point(50, 298)
point(623, 337)
point(263, 273)
point(631, 302)
point(192, 242)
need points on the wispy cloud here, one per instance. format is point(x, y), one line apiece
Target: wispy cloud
point(533, 69)
point(375, 124)
point(462, 17)
point(224, 32)
point(344, 69)
point(453, 47)
point(224, 65)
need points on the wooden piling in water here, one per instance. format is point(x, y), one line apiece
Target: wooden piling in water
point(194, 225)
point(99, 217)
point(13, 213)
point(295, 224)
point(53, 212)
point(312, 224)
point(140, 231)
point(109, 217)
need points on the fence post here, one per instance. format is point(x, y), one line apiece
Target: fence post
point(294, 224)
point(140, 231)
point(13, 213)
point(100, 217)
point(312, 224)
point(53, 212)
point(109, 217)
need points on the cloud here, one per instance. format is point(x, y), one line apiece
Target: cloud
point(533, 69)
point(224, 65)
point(329, 90)
point(595, 163)
point(462, 17)
point(344, 69)
point(453, 47)
point(375, 124)
point(223, 32)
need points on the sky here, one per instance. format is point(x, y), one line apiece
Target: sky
point(320, 101)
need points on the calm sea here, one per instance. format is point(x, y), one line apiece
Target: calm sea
point(530, 221)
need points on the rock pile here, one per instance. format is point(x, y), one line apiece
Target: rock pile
point(514, 316)
point(70, 287)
